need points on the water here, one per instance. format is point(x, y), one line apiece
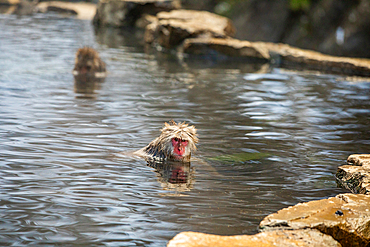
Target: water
point(63, 183)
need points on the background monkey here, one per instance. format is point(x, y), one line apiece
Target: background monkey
point(88, 61)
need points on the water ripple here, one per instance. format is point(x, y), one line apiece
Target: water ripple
point(63, 183)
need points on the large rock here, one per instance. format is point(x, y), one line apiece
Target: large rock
point(18, 7)
point(227, 47)
point(281, 54)
point(169, 29)
point(82, 10)
point(9, 2)
point(356, 175)
point(345, 217)
point(125, 13)
point(297, 238)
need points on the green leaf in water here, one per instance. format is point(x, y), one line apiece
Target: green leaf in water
point(239, 157)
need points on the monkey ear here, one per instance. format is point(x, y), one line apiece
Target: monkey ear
point(172, 122)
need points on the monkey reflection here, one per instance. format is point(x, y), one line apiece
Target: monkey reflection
point(177, 176)
point(85, 85)
point(88, 61)
point(175, 143)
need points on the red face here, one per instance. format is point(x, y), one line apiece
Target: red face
point(84, 70)
point(179, 146)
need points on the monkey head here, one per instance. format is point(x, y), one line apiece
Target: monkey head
point(176, 142)
point(88, 61)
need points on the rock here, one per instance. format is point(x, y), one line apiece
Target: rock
point(345, 217)
point(7, 9)
point(26, 7)
point(125, 13)
point(355, 176)
point(9, 2)
point(301, 238)
point(171, 28)
point(18, 7)
point(335, 27)
point(145, 20)
point(228, 47)
point(85, 11)
point(282, 54)
point(359, 159)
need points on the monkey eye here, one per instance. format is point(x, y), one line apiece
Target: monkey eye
point(176, 139)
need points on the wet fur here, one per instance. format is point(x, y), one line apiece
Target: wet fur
point(161, 148)
point(88, 58)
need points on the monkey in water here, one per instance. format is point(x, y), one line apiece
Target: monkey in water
point(175, 143)
point(88, 62)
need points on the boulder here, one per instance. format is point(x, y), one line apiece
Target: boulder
point(9, 2)
point(298, 238)
point(125, 13)
point(82, 10)
point(228, 47)
point(345, 217)
point(18, 7)
point(26, 7)
point(359, 159)
point(170, 29)
point(356, 175)
point(281, 54)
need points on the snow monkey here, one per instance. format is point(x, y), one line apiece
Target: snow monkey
point(88, 62)
point(175, 143)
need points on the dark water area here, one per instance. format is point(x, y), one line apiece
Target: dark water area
point(63, 182)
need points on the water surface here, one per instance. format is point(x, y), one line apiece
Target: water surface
point(63, 184)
